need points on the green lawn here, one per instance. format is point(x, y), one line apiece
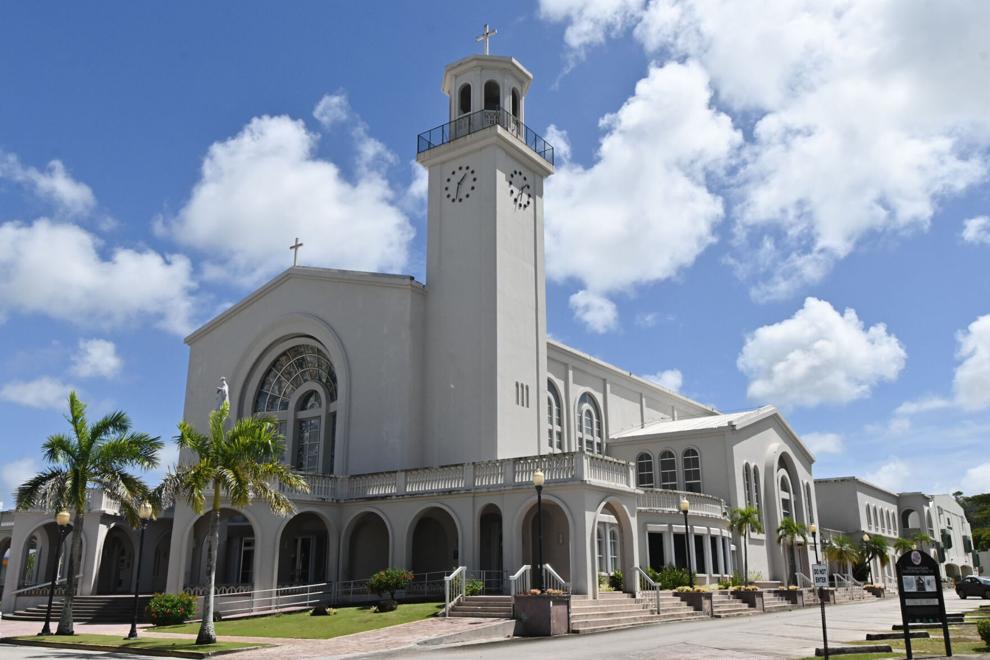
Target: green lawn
point(346, 621)
point(136, 645)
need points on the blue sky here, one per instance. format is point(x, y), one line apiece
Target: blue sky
point(786, 206)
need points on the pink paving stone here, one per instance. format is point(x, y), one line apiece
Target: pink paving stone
point(383, 639)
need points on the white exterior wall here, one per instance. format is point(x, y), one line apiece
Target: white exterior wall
point(950, 521)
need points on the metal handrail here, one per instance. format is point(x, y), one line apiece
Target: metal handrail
point(522, 575)
point(454, 591)
point(646, 583)
point(42, 585)
point(551, 576)
point(801, 577)
point(281, 598)
point(477, 121)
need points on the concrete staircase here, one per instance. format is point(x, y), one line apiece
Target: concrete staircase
point(613, 610)
point(725, 605)
point(87, 609)
point(851, 594)
point(489, 607)
point(773, 602)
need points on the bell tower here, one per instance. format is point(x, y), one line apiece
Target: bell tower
point(486, 291)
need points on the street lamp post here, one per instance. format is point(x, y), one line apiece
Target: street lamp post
point(869, 562)
point(62, 520)
point(685, 507)
point(144, 513)
point(538, 479)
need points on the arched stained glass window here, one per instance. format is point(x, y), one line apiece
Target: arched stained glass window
point(747, 484)
point(692, 470)
point(786, 499)
point(589, 424)
point(292, 369)
point(555, 418)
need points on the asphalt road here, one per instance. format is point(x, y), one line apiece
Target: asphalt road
point(791, 634)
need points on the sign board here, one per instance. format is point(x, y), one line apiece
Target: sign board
point(820, 573)
point(919, 587)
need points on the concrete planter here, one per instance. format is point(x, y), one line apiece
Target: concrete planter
point(701, 602)
point(795, 597)
point(751, 598)
point(542, 615)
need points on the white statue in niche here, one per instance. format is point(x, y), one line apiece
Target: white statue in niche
point(223, 393)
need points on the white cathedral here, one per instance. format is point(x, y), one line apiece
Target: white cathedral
point(418, 414)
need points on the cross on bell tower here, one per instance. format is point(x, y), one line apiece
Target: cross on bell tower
point(485, 35)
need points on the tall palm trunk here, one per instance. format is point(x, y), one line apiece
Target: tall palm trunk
point(746, 557)
point(793, 563)
point(75, 559)
point(207, 631)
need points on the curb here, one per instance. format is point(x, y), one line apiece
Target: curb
point(161, 653)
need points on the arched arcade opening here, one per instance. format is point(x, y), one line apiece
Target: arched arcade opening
point(304, 551)
point(556, 538)
point(116, 572)
point(367, 542)
point(236, 552)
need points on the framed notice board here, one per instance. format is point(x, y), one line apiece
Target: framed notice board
point(919, 586)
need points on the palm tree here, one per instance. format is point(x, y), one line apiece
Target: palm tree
point(903, 545)
point(745, 520)
point(922, 540)
point(789, 532)
point(97, 455)
point(875, 548)
point(842, 551)
point(241, 464)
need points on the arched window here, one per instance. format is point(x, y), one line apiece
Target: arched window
point(613, 549)
point(748, 484)
point(299, 389)
point(515, 102)
point(589, 424)
point(493, 95)
point(668, 470)
point(786, 500)
point(809, 503)
point(757, 490)
point(692, 470)
point(555, 419)
point(464, 99)
point(869, 518)
point(644, 470)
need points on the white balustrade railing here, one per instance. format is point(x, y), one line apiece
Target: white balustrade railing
point(372, 485)
point(489, 473)
point(424, 480)
point(552, 580)
point(646, 584)
point(519, 582)
point(606, 469)
point(454, 586)
point(556, 467)
point(321, 487)
point(668, 501)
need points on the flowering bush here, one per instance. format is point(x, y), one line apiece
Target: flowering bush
point(171, 609)
point(388, 581)
point(474, 588)
point(744, 587)
point(683, 590)
point(792, 587)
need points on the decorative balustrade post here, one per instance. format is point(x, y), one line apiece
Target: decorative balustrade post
point(631, 475)
point(581, 466)
point(510, 472)
point(400, 482)
point(469, 475)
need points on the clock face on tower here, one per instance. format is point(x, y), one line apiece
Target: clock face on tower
point(520, 190)
point(460, 184)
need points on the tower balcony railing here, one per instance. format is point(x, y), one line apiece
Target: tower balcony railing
point(668, 501)
point(478, 121)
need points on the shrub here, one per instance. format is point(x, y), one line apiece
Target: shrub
point(474, 588)
point(983, 630)
point(323, 609)
point(388, 581)
point(171, 609)
point(615, 581)
point(670, 577)
point(603, 582)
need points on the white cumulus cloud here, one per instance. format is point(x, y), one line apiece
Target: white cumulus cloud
point(96, 358)
point(598, 314)
point(54, 184)
point(332, 109)
point(892, 475)
point(642, 212)
point(977, 479)
point(263, 187)
point(44, 393)
point(672, 379)
point(972, 378)
point(819, 356)
point(12, 475)
point(864, 116)
point(977, 230)
point(824, 443)
point(58, 270)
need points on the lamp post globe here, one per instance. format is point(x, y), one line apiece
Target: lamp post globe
point(62, 519)
point(538, 479)
point(145, 512)
point(869, 566)
point(685, 506)
point(813, 528)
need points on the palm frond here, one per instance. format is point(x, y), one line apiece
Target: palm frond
point(130, 450)
point(47, 490)
point(109, 426)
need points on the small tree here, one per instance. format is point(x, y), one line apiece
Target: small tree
point(842, 551)
point(388, 581)
point(875, 548)
point(745, 520)
point(789, 532)
point(242, 464)
point(903, 545)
